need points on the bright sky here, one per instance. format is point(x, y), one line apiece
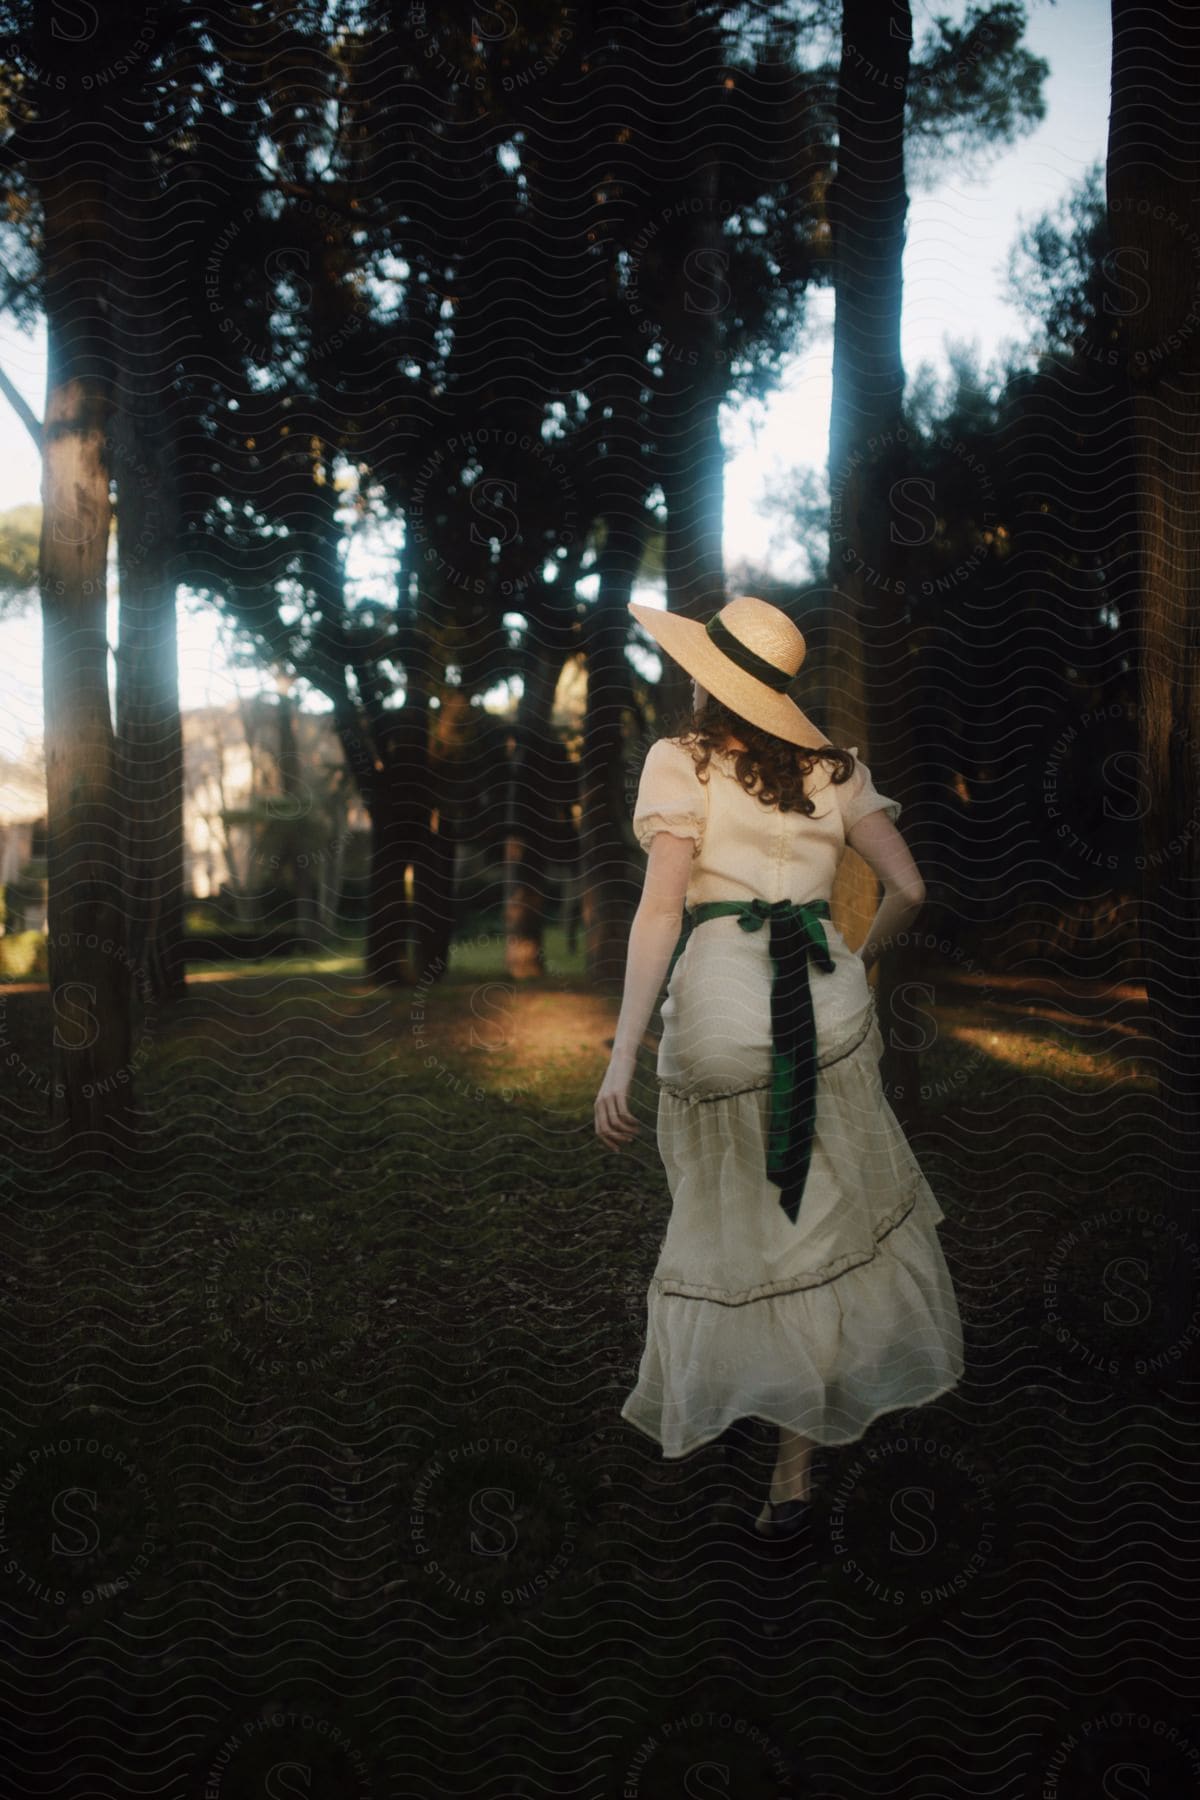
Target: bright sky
point(959, 235)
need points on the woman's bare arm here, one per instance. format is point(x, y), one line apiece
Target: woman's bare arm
point(652, 937)
point(883, 849)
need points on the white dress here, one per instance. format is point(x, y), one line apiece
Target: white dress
point(821, 1325)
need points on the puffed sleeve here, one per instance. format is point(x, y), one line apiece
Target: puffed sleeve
point(859, 796)
point(670, 797)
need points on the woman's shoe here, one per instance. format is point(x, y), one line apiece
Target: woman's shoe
point(784, 1518)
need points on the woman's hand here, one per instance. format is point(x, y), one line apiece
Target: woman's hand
point(615, 1124)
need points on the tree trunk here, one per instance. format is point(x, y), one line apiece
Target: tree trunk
point(149, 728)
point(330, 872)
point(693, 482)
point(88, 960)
point(387, 906)
point(529, 841)
point(387, 897)
point(410, 905)
point(692, 469)
point(144, 312)
point(299, 860)
point(867, 205)
point(1154, 201)
point(608, 897)
point(434, 864)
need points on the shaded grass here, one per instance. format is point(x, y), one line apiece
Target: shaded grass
point(372, 1230)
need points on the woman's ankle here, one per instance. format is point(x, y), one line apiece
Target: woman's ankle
point(790, 1478)
point(791, 1484)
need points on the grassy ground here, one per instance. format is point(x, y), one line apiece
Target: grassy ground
point(314, 1414)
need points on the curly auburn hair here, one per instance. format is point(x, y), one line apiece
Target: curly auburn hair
point(779, 766)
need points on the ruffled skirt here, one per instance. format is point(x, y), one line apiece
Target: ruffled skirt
point(818, 1326)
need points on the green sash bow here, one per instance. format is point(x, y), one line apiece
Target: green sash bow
point(797, 936)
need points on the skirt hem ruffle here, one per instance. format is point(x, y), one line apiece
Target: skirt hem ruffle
point(853, 1437)
point(883, 1337)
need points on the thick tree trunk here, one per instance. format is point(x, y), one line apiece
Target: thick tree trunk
point(300, 861)
point(411, 894)
point(386, 937)
point(411, 888)
point(88, 959)
point(868, 204)
point(144, 312)
point(692, 469)
point(1154, 204)
point(609, 896)
point(331, 871)
point(434, 900)
point(530, 840)
point(387, 902)
point(149, 728)
point(693, 482)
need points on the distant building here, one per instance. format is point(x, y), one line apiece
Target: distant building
point(22, 846)
point(250, 772)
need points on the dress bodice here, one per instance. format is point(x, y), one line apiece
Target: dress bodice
point(744, 849)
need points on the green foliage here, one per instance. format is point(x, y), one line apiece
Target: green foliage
point(20, 530)
point(1057, 273)
point(23, 956)
point(972, 87)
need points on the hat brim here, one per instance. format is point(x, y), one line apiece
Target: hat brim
point(686, 641)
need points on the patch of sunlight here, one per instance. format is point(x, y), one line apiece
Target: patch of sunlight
point(482, 952)
point(320, 963)
point(1056, 1058)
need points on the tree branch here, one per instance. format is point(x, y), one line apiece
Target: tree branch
point(22, 409)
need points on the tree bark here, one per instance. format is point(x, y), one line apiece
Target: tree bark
point(692, 468)
point(299, 860)
point(1153, 191)
point(608, 896)
point(530, 841)
point(411, 898)
point(149, 727)
point(387, 900)
point(145, 307)
point(693, 482)
point(91, 1076)
point(88, 959)
point(867, 206)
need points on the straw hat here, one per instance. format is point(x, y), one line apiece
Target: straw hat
point(746, 655)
